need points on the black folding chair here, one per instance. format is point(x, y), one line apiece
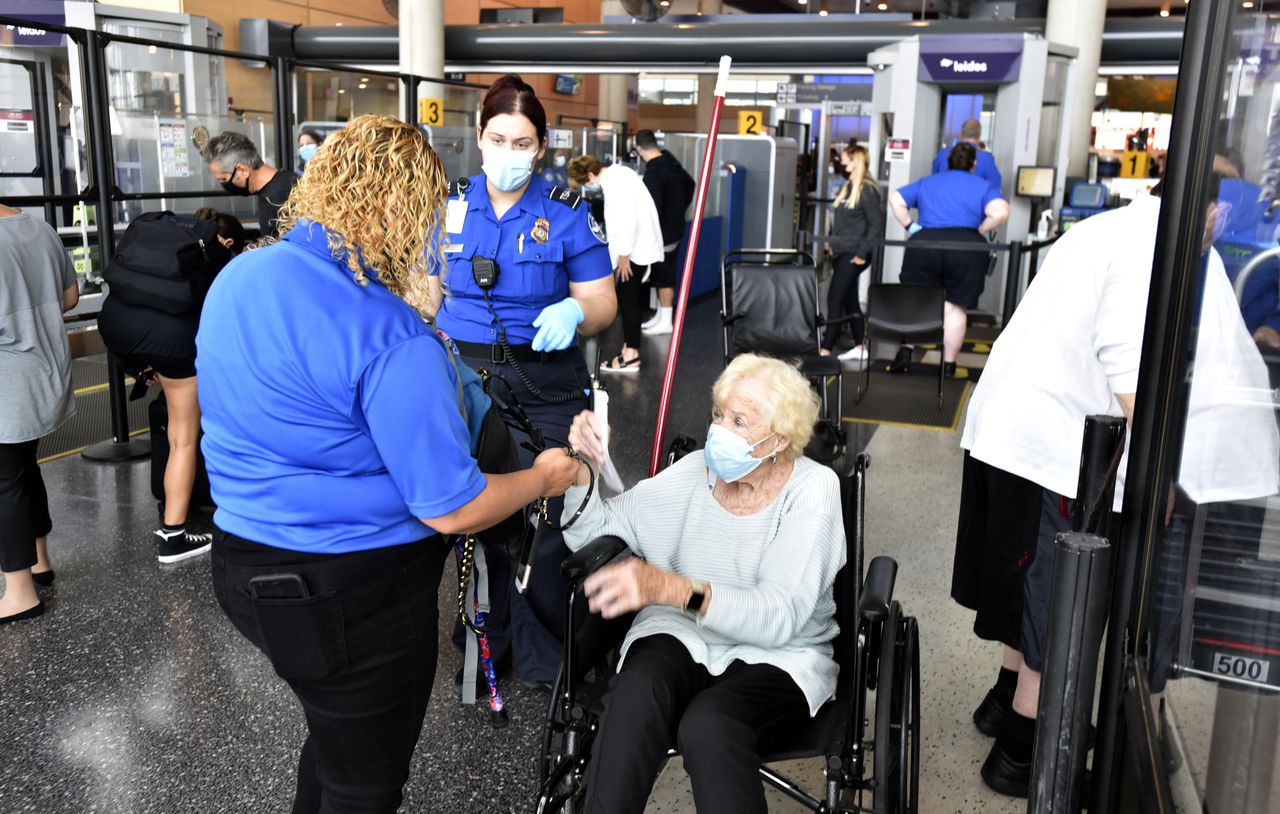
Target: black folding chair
point(904, 313)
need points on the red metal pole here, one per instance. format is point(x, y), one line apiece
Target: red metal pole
point(682, 300)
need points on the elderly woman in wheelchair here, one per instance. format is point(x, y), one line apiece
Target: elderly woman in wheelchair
point(738, 550)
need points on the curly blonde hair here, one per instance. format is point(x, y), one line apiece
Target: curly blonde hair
point(378, 189)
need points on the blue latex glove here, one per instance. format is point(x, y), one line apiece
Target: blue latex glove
point(913, 228)
point(557, 325)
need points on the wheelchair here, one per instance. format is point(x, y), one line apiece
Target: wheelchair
point(871, 763)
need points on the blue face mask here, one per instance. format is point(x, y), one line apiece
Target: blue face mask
point(594, 189)
point(728, 454)
point(308, 151)
point(507, 170)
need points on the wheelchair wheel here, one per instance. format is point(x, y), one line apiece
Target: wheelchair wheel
point(897, 729)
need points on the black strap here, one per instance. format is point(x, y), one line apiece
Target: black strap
point(521, 353)
point(459, 186)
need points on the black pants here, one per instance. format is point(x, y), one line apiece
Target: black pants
point(633, 302)
point(663, 697)
point(360, 655)
point(842, 300)
point(533, 622)
point(24, 506)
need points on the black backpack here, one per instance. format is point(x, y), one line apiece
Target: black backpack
point(166, 262)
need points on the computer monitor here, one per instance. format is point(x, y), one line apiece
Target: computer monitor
point(1035, 182)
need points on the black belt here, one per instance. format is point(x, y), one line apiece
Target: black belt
point(521, 353)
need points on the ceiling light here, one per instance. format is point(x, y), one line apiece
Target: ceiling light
point(803, 2)
point(342, 90)
point(339, 25)
point(1164, 12)
point(883, 7)
point(1247, 4)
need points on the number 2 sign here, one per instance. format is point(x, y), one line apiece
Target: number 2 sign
point(751, 122)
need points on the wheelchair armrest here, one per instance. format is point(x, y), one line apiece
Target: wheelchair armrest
point(592, 557)
point(877, 589)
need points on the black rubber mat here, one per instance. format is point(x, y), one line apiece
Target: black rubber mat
point(92, 421)
point(909, 400)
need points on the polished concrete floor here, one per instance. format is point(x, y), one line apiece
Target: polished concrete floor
point(134, 694)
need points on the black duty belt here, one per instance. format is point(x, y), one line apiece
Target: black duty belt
point(521, 353)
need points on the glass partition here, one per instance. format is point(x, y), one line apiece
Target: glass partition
point(165, 103)
point(1208, 624)
point(448, 115)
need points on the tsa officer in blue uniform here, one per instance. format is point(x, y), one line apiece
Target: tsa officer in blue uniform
point(528, 269)
point(984, 164)
point(954, 206)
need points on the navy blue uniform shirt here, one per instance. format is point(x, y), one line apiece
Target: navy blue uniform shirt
point(984, 168)
point(954, 199)
point(532, 273)
point(330, 409)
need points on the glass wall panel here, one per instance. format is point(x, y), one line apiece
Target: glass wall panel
point(1209, 624)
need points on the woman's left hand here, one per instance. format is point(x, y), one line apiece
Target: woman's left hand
point(629, 586)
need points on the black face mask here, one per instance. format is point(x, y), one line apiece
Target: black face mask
point(235, 189)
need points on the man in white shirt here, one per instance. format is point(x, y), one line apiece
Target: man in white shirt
point(1071, 350)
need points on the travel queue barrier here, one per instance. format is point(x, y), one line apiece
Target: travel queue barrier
point(1018, 253)
point(101, 188)
point(1078, 605)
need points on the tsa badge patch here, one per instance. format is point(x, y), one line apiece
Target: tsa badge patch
point(596, 229)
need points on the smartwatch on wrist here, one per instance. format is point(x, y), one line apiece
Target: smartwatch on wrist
point(697, 596)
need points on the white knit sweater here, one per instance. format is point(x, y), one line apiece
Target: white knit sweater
point(771, 573)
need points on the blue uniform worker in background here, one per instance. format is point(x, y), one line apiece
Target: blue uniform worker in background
point(985, 166)
point(956, 206)
point(553, 279)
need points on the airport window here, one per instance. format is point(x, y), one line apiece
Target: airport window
point(683, 90)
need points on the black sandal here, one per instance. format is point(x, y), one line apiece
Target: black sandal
point(619, 365)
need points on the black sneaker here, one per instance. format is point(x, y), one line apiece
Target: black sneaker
point(902, 362)
point(179, 544)
point(994, 712)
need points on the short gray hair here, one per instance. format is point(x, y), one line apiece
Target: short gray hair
point(229, 149)
point(972, 128)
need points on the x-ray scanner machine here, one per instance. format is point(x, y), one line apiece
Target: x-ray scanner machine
point(1017, 85)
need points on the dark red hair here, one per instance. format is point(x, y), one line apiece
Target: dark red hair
point(511, 94)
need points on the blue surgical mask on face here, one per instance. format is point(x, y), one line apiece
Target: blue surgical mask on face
point(507, 170)
point(728, 454)
point(308, 151)
point(592, 188)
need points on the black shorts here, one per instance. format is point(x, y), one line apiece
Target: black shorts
point(168, 366)
point(1055, 517)
point(995, 541)
point(962, 273)
point(663, 274)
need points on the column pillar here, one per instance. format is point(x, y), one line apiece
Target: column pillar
point(1079, 23)
point(707, 81)
point(422, 41)
point(612, 101)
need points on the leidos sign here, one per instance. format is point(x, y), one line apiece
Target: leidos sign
point(951, 59)
point(963, 66)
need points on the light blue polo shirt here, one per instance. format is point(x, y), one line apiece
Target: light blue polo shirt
point(330, 410)
point(954, 199)
point(535, 264)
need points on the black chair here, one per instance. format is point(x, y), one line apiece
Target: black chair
point(877, 651)
point(769, 305)
point(904, 313)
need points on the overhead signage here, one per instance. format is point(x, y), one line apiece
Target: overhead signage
point(815, 93)
point(954, 59)
point(38, 13)
point(862, 108)
point(897, 149)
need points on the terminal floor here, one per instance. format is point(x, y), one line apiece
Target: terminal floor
point(134, 694)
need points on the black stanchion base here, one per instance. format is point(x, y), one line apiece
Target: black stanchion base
point(114, 452)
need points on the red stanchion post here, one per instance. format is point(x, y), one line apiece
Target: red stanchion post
point(682, 299)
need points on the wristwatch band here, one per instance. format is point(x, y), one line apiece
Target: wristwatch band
point(696, 597)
